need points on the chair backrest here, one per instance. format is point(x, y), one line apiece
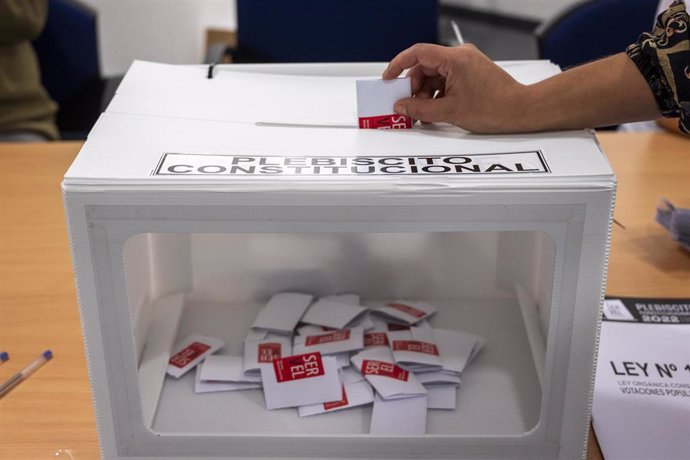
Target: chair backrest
point(332, 30)
point(67, 49)
point(593, 29)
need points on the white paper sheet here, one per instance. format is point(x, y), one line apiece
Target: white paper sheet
point(442, 396)
point(389, 380)
point(283, 312)
point(399, 417)
point(333, 314)
point(641, 407)
point(355, 394)
point(301, 380)
point(331, 342)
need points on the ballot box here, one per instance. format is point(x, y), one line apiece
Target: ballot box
point(196, 199)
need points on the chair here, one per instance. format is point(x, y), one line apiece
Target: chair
point(593, 29)
point(331, 30)
point(68, 56)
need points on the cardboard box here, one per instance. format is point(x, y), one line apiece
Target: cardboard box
point(188, 212)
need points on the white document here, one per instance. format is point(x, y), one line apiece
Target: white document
point(376, 99)
point(641, 407)
point(437, 378)
point(364, 321)
point(376, 339)
point(343, 359)
point(258, 352)
point(283, 312)
point(457, 348)
point(255, 334)
point(190, 352)
point(442, 396)
point(390, 380)
point(301, 380)
point(354, 394)
point(350, 375)
point(331, 342)
point(218, 368)
point(213, 387)
point(399, 416)
point(331, 313)
point(406, 312)
point(415, 349)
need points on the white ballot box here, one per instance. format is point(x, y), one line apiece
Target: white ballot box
point(195, 200)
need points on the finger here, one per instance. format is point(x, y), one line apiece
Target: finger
point(427, 90)
point(425, 110)
point(417, 78)
point(430, 57)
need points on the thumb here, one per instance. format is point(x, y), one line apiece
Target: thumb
point(429, 110)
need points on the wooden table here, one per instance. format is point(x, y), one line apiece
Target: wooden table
point(50, 415)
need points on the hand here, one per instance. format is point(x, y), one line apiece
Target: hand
point(470, 90)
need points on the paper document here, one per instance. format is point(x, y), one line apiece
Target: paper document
point(641, 407)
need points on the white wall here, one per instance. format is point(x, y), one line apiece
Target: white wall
point(538, 10)
point(170, 31)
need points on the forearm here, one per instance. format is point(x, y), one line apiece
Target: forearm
point(605, 92)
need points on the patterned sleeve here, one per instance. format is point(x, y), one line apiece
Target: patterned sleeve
point(663, 58)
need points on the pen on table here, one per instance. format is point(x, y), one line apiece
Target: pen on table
point(22, 375)
point(456, 30)
point(4, 356)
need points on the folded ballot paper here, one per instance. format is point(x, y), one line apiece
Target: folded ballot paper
point(402, 370)
point(676, 220)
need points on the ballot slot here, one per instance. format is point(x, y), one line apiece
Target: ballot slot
point(214, 284)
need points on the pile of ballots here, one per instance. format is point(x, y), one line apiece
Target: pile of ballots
point(332, 354)
point(676, 221)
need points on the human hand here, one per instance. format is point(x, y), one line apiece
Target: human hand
point(470, 90)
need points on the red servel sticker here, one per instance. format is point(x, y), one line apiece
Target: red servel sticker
point(268, 352)
point(188, 354)
point(415, 346)
point(298, 367)
point(410, 310)
point(335, 404)
point(335, 336)
point(393, 121)
point(397, 327)
point(384, 369)
point(373, 339)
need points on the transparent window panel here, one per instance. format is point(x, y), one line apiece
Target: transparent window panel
point(222, 280)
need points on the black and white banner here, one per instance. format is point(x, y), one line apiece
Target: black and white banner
point(186, 164)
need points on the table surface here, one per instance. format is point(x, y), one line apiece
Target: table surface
point(50, 415)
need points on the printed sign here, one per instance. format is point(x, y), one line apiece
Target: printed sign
point(187, 164)
point(298, 367)
point(415, 346)
point(268, 352)
point(335, 336)
point(647, 310)
point(384, 369)
point(188, 354)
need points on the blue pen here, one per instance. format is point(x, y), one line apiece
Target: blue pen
point(22, 375)
point(4, 356)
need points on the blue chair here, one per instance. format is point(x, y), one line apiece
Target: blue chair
point(593, 29)
point(331, 30)
point(68, 56)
